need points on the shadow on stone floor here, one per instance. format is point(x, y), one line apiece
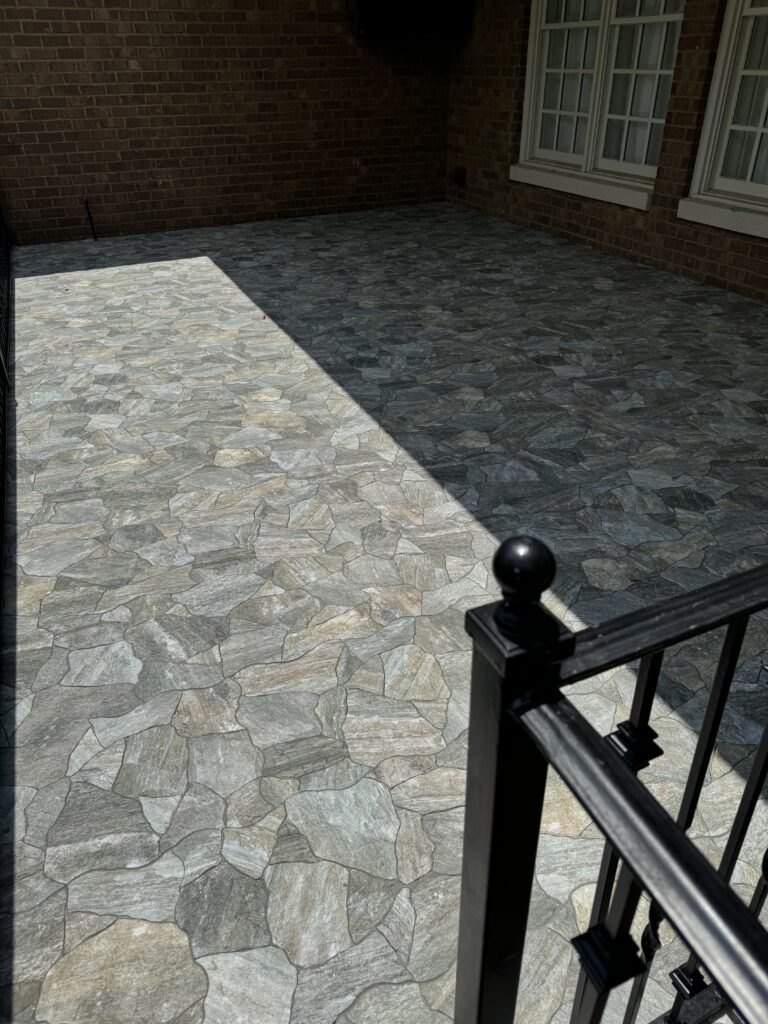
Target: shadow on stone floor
point(616, 411)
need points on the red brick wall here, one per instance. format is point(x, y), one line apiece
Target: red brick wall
point(485, 118)
point(170, 113)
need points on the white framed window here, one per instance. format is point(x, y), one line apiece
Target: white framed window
point(730, 180)
point(597, 88)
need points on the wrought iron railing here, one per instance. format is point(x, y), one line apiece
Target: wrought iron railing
point(521, 722)
point(5, 336)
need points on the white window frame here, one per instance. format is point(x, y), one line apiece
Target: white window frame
point(591, 176)
point(711, 201)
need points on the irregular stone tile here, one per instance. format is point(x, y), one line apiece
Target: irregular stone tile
point(174, 637)
point(340, 775)
point(296, 758)
point(80, 927)
point(249, 849)
point(377, 728)
point(411, 674)
point(112, 665)
point(354, 622)
point(97, 830)
point(199, 852)
point(544, 975)
point(158, 810)
point(324, 992)
point(307, 911)
point(87, 748)
point(199, 809)
point(38, 937)
point(356, 827)
point(397, 926)
point(397, 769)
point(435, 900)
point(42, 811)
point(291, 847)
point(440, 993)
point(248, 805)
point(251, 647)
point(369, 900)
point(156, 711)
point(395, 634)
point(49, 559)
point(224, 762)
point(213, 710)
point(413, 848)
point(438, 790)
point(160, 677)
point(220, 595)
point(102, 769)
point(257, 985)
point(149, 893)
point(314, 672)
point(392, 1003)
point(567, 863)
point(223, 911)
point(445, 830)
point(154, 764)
point(279, 717)
point(132, 972)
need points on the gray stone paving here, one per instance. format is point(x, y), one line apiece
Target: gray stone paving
point(261, 473)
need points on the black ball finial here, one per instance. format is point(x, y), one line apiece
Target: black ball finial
point(524, 568)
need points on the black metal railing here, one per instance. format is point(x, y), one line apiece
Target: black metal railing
point(5, 340)
point(521, 722)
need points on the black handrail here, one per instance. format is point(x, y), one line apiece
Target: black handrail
point(521, 723)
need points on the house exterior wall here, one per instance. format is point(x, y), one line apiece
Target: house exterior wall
point(485, 120)
point(173, 113)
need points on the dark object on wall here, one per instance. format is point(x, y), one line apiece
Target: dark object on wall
point(521, 723)
point(459, 177)
point(90, 218)
point(425, 25)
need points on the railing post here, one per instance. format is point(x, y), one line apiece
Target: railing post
point(506, 777)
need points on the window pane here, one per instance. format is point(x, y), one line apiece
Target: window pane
point(673, 6)
point(670, 46)
point(625, 50)
point(571, 87)
point(565, 134)
point(556, 49)
point(643, 95)
point(738, 154)
point(757, 55)
point(586, 93)
point(662, 96)
point(574, 54)
point(751, 100)
point(548, 129)
point(650, 47)
point(654, 145)
point(614, 137)
point(589, 56)
point(760, 173)
point(650, 7)
point(573, 10)
point(581, 135)
point(637, 135)
point(592, 10)
point(620, 94)
point(554, 9)
point(552, 92)
point(626, 8)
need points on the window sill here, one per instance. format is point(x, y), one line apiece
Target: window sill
point(724, 213)
point(579, 183)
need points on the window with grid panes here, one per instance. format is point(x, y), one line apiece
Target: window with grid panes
point(731, 172)
point(598, 84)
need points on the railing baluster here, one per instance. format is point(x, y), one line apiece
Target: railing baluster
point(705, 745)
point(613, 942)
point(632, 742)
point(687, 979)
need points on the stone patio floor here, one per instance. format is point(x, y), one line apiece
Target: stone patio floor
point(261, 473)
